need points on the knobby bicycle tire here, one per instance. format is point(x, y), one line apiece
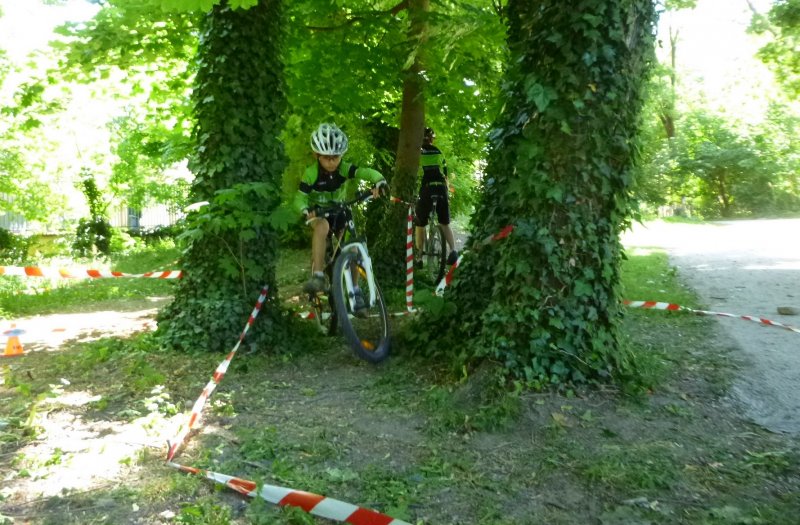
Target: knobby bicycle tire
point(368, 335)
point(435, 257)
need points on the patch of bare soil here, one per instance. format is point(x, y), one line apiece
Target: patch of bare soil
point(50, 332)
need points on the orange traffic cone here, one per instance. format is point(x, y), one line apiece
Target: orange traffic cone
point(13, 346)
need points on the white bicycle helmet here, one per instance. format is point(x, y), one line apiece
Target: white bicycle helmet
point(328, 139)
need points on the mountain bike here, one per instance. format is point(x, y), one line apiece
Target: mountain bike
point(434, 251)
point(348, 268)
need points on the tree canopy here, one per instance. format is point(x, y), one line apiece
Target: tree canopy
point(782, 24)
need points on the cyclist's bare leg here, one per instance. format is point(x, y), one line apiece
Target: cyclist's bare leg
point(448, 237)
point(419, 234)
point(318, 238)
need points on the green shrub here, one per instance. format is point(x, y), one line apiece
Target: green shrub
point(92, 233)
point(13, 248)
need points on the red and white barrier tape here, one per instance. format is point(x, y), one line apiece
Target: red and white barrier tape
point(449, 277)
point(502, 234)
point(505, 232)
point(400, 201)
point(313, 315)
point(315, 504)
point(410, 261)
point(34, 271)
point(653, 305)
point(312, 503)
point(175, 442)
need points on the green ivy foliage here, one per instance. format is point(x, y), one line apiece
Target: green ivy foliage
point(238, 162)
point(545, 302)
point(93, 232)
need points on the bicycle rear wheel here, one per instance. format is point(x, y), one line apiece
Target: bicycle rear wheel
point(366, 333)
point(434, 256)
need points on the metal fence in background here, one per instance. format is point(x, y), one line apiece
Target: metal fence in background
point(121, 217)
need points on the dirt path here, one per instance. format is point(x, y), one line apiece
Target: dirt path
point(747, 268)
point(50, 332)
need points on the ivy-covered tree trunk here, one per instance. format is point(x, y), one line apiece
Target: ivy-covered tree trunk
point(545, 301)
point(390, 247)
point(238, 164)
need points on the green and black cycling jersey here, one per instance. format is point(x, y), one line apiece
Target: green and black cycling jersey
point(434, 185)
point(320, 188)
point(432, 165)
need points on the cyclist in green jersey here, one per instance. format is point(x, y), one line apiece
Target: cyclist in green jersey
point(434, 182)
point(323, 183)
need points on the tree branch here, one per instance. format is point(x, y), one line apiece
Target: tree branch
point(393, 11)
point(761, 16)
point(399, 7)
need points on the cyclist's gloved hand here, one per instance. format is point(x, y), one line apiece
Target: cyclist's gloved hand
point(382, 188)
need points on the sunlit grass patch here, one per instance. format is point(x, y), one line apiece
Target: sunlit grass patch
point(648, 276)
point(666, 343)
point(23, 296)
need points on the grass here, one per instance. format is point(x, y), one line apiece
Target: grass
point(401, 437)
point(26, 296)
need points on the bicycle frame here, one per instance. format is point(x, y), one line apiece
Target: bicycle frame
point(358, 246)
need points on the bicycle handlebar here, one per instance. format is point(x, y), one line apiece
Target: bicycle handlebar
point(325, 212)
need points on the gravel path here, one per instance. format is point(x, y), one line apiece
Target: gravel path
point(746, 268)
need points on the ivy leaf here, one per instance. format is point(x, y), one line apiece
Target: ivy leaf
point(556, 193)
point(539, 95)
point(582, 289)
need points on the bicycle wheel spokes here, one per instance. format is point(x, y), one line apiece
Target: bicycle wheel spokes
point(434, 256)
point(366, 330)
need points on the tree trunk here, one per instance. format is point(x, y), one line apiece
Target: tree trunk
point(238, 164)
point(722, 193)
point(390, 247)
point(545, 301)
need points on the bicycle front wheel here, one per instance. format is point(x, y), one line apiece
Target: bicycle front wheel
point(366, 330)
point(435, 258)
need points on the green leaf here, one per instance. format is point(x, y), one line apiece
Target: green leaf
point(582, 289)
point(282, 218)
point(539, 95)
point(556, 193)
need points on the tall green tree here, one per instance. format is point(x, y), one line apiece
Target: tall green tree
point(238, 162)
point(782, 23)
point(736, 171)
point(151, 53)
point(545, 302)
point(26, 171)
point(391, 246)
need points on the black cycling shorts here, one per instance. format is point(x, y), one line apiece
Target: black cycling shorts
point(425, 204)
point(339, 221)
